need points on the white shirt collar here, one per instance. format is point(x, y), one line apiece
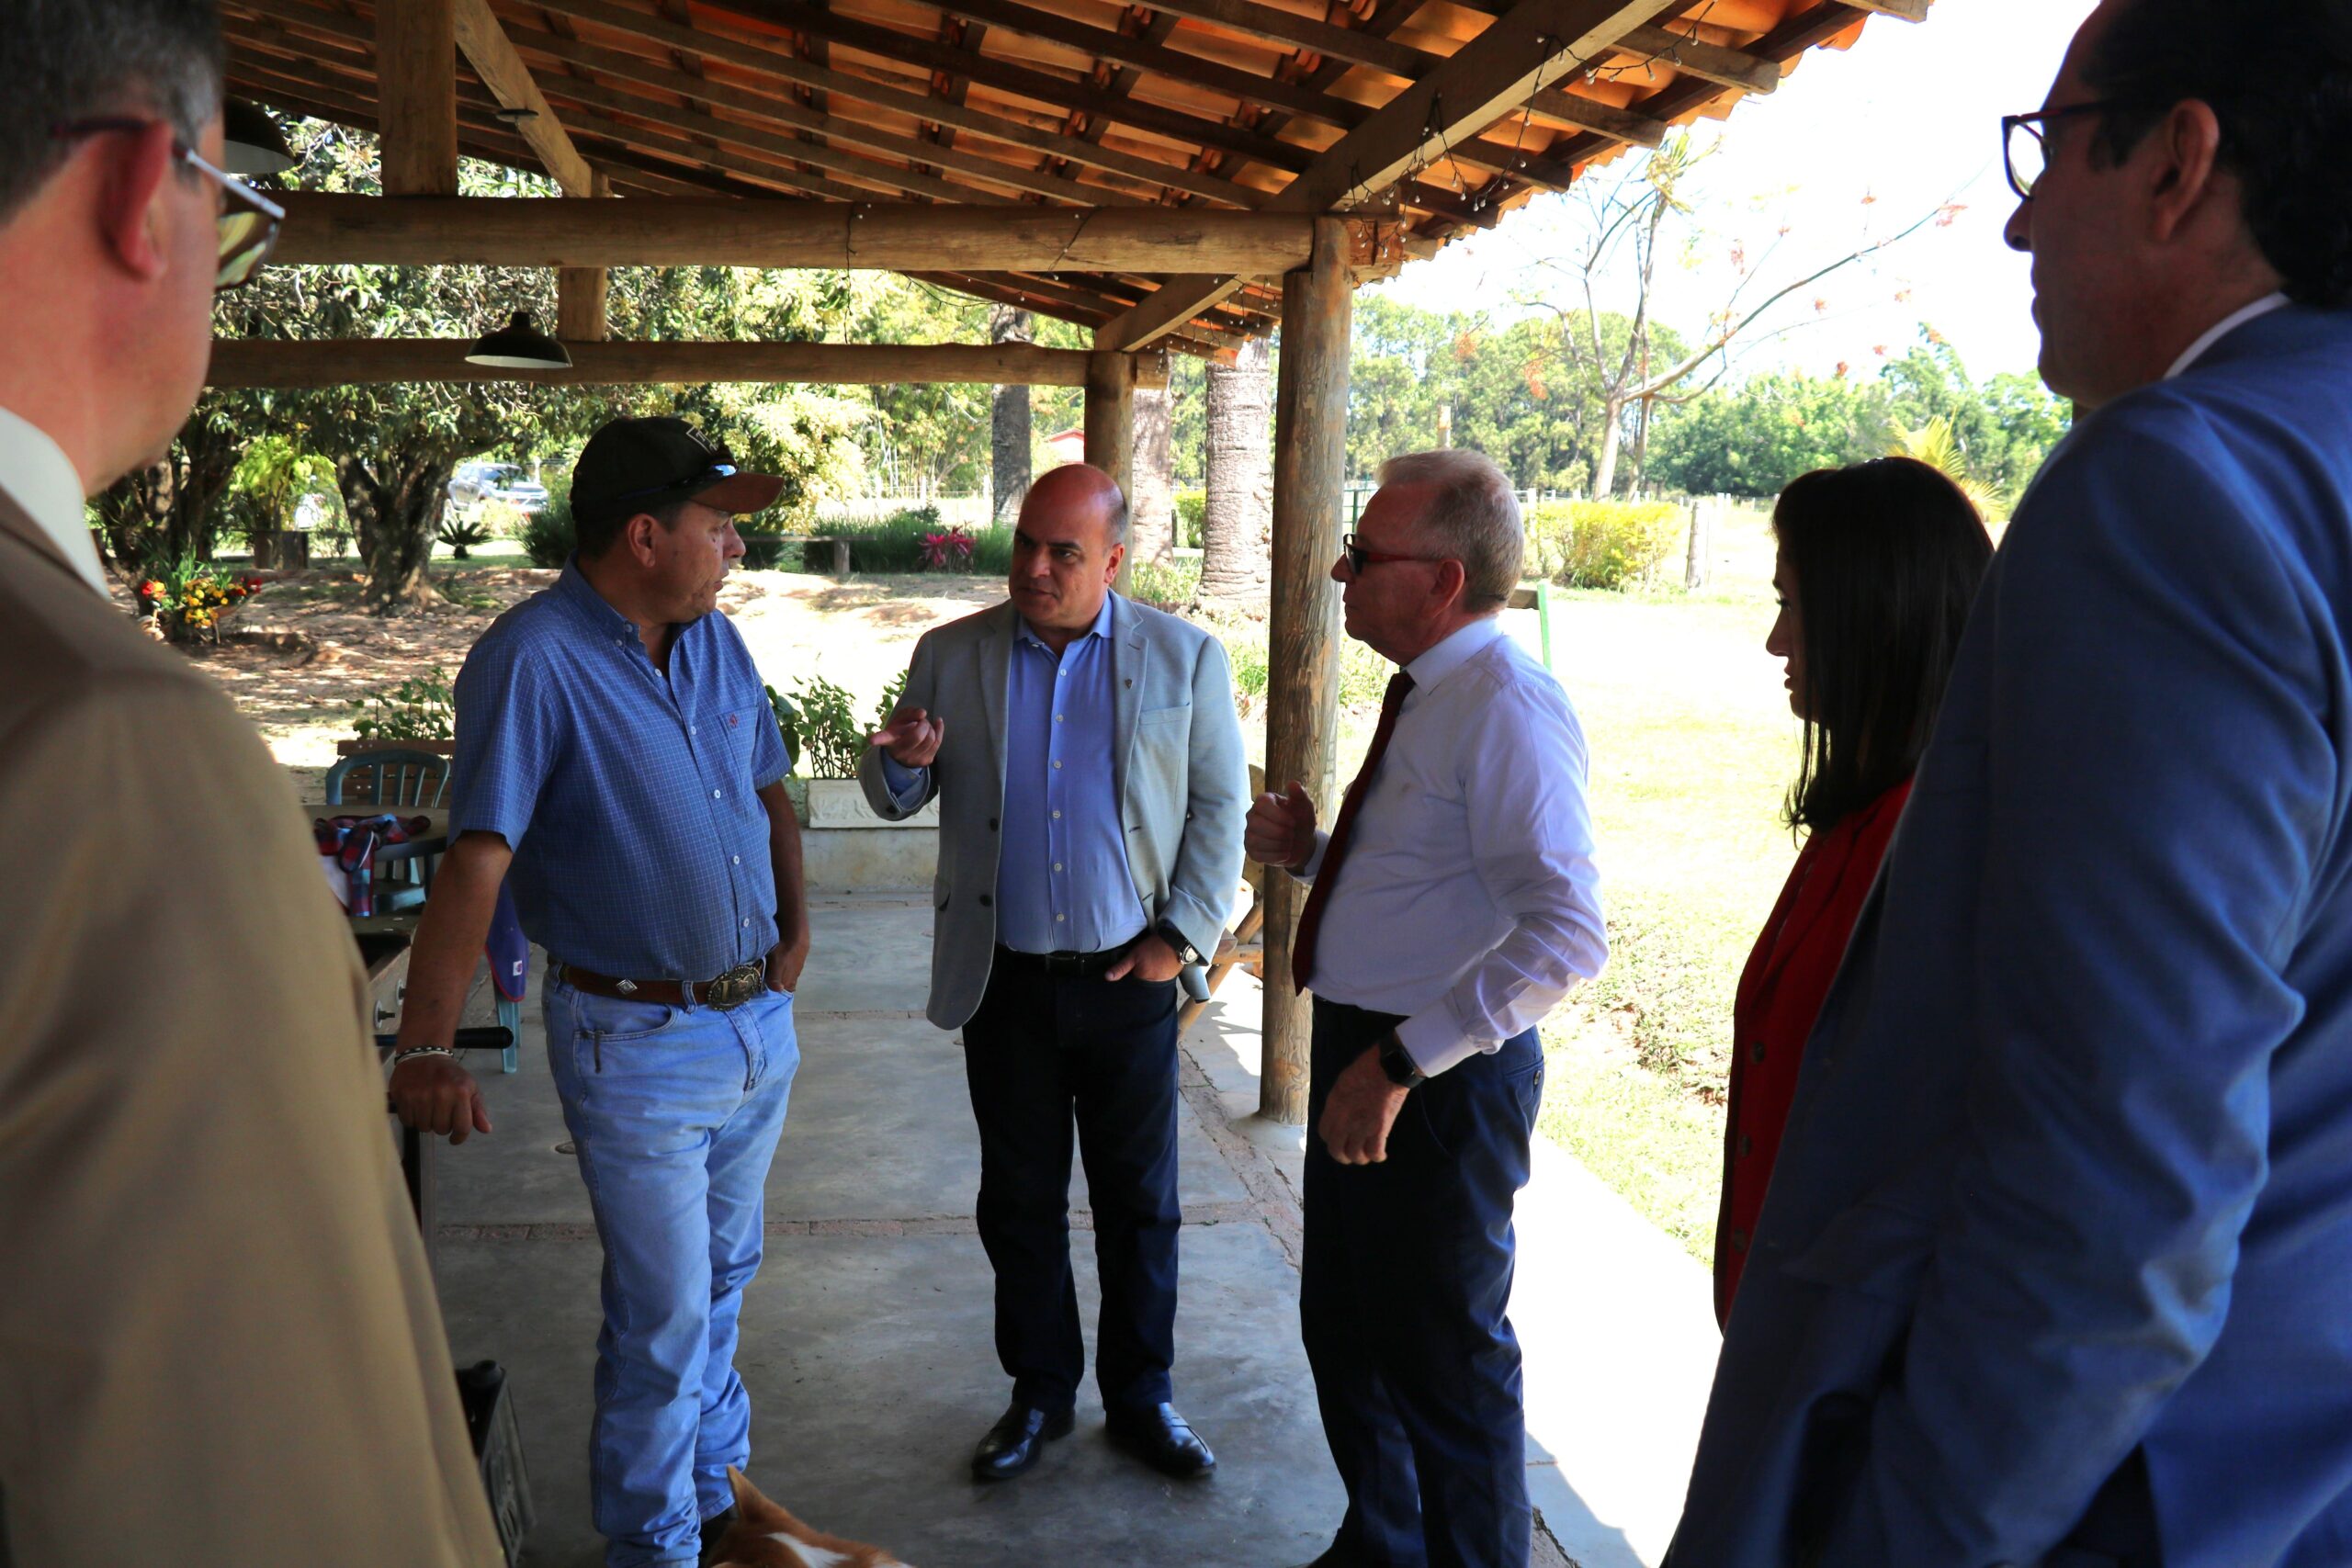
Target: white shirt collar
point(40, 478)
point(1456, 649)
point(2223, 328)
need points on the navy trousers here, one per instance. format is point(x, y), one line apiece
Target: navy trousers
point(1402, 1296)
point(1044, 1055)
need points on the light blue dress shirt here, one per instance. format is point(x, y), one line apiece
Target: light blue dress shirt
point(1062, 881)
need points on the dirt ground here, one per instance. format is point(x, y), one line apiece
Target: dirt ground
point(304, 650)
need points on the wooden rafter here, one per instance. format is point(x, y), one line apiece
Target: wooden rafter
point(501, 70)
point(416, 63)
point(1537, 44)
point(750, 56)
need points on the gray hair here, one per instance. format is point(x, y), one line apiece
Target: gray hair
point(76, 59)
point(1474, 516)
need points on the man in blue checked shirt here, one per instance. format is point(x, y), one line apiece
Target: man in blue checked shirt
point(618, 766)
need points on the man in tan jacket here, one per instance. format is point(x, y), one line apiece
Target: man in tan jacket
point(218, 1339)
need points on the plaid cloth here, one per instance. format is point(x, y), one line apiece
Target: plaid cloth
point(640, 844)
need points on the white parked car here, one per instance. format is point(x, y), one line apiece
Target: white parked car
point(474, 483)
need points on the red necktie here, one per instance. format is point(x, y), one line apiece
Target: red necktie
point(1302, 947)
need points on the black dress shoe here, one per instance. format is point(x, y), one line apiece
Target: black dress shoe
point(1013, 1444)
point(1162, 1439)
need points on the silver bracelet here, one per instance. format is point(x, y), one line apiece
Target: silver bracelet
point(400, 1056)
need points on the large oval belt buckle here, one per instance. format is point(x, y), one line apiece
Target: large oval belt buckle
point(737, 986)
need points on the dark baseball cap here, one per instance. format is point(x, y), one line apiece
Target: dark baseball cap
point(636, 465)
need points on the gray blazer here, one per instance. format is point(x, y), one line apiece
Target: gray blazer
point(1183, 777)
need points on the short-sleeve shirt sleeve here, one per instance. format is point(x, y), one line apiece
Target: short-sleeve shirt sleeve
point(509, 735)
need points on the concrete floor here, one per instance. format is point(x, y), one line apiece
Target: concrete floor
point(867, 1338)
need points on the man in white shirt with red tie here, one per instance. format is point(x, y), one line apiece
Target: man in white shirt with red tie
point(1455, 905)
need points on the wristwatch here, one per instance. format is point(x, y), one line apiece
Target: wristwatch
point(1397, 1062)
point(1186, 952)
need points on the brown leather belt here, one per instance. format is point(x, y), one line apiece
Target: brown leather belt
point(732, 989)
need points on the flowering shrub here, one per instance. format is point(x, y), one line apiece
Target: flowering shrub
point(191, 599)
point(948, 551)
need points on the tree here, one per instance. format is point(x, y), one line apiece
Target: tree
point(1237, 528)
point(1752, 439)
point(167, 514)
point(1009, 427)
point(1630, 380)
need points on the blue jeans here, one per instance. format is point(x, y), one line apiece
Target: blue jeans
point(674, 1112)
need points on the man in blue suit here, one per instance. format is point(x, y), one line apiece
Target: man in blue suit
point(2056, 1262)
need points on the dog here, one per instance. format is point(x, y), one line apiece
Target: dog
point(765, 1535)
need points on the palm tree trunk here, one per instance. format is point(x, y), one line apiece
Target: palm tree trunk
point(1237, 528)
point(1008, 424)
point(1151, 531)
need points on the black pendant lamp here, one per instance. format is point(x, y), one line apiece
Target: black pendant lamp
point(519, 345)
point(251, 144)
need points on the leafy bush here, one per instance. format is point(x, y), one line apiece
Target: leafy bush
point(1602, 544)
point(424, 708)
point(787, 725)
point(1171, 587)
point(503, 518)
point(1364, 674)
point(896, 544)
point(547, 534)
point(947, 550)
point(1191, 505)
point(825, 730)
point(462, 533)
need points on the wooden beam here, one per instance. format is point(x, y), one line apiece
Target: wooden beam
point(1589, 114)
point(274, 362)
point(1537, 44)
point(1354, 45)
point(1303, 629)
point(1711, 61)
point(503, 71)
point(899, 237)
point(416, 62)
point(746, 55)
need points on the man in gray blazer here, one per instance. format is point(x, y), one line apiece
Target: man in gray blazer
point(1088, 764)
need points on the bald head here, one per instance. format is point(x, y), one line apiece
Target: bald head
point(1074, 493)
point(1066, 550)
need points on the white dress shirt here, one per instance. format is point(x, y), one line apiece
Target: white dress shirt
point(40, 478)
point(2223, 328)
point(1468, 902)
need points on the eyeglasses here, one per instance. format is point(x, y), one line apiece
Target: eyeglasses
point(692, 484)
point(248, 220)
point(2025, 152)
point(1358, 557)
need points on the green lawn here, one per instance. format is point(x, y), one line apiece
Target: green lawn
point(1692, 746)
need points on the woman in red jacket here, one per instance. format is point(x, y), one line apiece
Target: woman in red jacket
point(1877, 565)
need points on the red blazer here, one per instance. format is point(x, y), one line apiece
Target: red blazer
point(1780, 992)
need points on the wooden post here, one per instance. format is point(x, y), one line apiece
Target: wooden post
point(581, 291)
point(1303, 659)
point(1110, 430)
point(1700, 559)
point(416, 55)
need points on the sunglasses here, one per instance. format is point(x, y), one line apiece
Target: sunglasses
point(248, 220)
point(692, 484)
point(1358, 557)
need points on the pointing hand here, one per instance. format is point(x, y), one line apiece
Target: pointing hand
point(912, 737)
